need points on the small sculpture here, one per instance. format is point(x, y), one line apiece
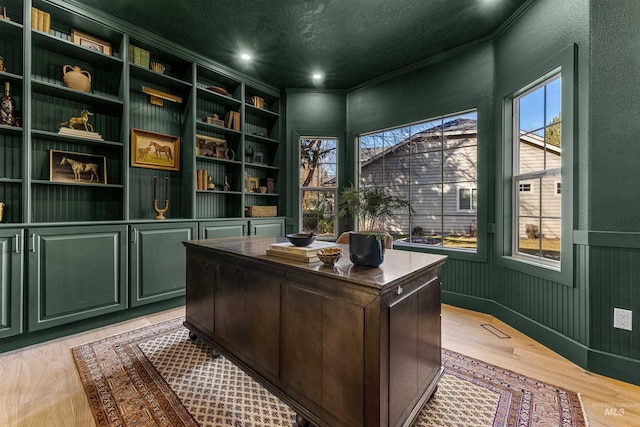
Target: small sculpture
point(160, 211)
point(80, 122)
point(226, 184)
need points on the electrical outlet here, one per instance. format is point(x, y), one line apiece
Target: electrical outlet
point(622, 318)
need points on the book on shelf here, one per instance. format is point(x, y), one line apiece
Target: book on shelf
point(293, 256)
point(236, 120)
point(40, 20)
point(313, 248)
point(46, 25)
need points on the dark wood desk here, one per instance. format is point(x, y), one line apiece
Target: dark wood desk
point(343, 346)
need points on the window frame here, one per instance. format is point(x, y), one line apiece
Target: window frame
point(333, 189)
point(565, 63)
point(484, 227)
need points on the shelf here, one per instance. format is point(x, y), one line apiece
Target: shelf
point(163, 80)
point(261, 166)
point(219, 129)
point(5, 25)
point(74, 95)
point(12, 78)
point(218, 98)
point(66, 138)
point(84, 184)
point(10, 181)
point(72, 50)
point(250, 109)
point(217, 160)
point(232, 193)
point(259, 138)
point(262, 194)
point(10, 129)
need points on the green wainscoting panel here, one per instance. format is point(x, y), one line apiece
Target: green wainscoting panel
point(217, 229)
point(615, 282)
point(466, 277)
point(158, 260)
point(75, 273)
point(267, 227)
point(556, 306)
point(11, 275)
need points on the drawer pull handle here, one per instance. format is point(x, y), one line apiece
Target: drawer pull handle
point(399, 291)
point(17, 250)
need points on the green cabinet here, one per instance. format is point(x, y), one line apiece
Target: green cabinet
point(158, 260)
point(228, 228)
point(11, 274)
point(267, 227)
point(75, 273)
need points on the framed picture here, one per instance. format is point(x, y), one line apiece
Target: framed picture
point(254, 183)
point(155, 150)
point(79, 168)
point(90, 42)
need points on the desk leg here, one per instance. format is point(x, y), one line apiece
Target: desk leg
point(301, 422)
point(214, 353)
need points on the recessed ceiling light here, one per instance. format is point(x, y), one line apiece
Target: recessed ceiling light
point(317, 76)
point(245, 56)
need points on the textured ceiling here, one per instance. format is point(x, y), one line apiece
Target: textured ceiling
point(350, 41)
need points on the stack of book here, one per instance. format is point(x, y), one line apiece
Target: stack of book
point(139, 56)
point(40, 20)
point(306, 254)
point(202, 179)
point(232, 120)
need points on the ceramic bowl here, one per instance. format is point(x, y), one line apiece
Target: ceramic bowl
point(329, 256)
point(301, 239)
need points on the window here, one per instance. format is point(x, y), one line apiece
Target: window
point(526, 187)
point(467, 199)
point(558, 188)
point(433, 164)
point(318, 185)
point(537, 163)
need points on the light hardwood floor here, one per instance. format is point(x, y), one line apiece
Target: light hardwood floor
point(40, 387)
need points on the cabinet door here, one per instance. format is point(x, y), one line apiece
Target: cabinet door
point(158, 261)
point(11, 295)
point(216, 229)
point(75, 273)
point(267, 227)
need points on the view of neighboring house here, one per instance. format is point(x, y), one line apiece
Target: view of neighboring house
point(539, 197)
point(436, 168)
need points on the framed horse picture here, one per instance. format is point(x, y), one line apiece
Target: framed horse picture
point(77, 168)
point(154, 150)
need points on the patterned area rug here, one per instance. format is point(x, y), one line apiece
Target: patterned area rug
point(157, 376)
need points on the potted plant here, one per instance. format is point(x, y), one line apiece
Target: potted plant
point(371, 206)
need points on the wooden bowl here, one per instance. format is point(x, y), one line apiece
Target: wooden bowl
point(329, 256)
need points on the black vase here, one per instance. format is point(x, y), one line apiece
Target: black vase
point(366, 249)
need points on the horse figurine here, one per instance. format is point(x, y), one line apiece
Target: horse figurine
point(160, 149)
point(80, 122)
point(79, 167)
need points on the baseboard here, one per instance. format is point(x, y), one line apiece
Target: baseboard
point(610, 365)
point(31, 338)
